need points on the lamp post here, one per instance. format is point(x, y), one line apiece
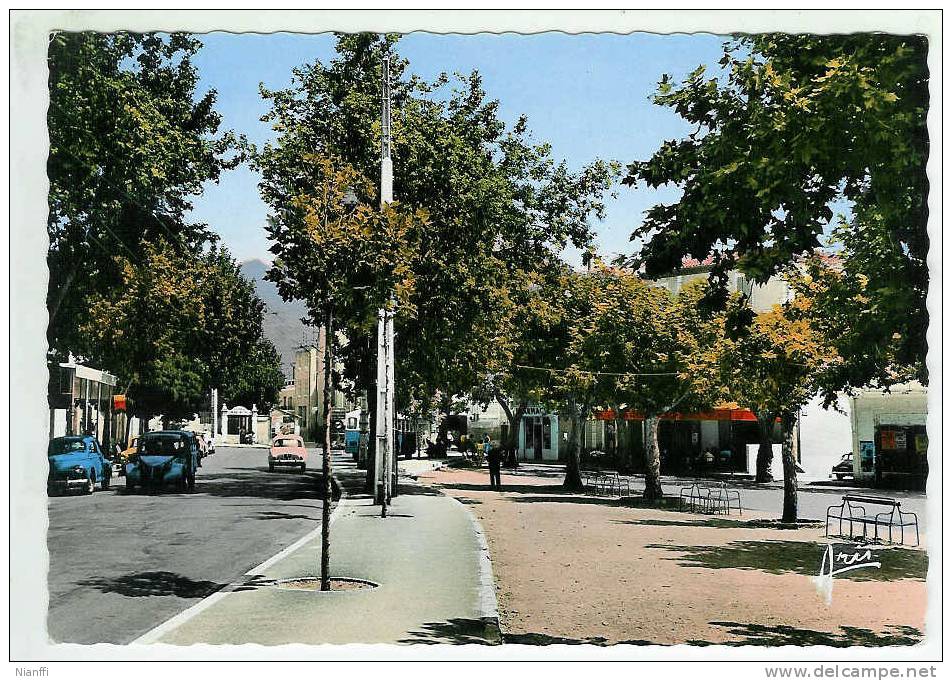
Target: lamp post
point(383, 425)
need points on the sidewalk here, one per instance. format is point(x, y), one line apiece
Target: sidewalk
point(428, 557)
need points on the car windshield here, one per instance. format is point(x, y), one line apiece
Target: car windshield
point(65, 445)
point(286, 442)
point(161, 446)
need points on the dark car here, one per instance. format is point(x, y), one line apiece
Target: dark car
point(164, 458)
point(845, 467)
point(77, 462)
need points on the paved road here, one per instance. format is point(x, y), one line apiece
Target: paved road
point(121, 564)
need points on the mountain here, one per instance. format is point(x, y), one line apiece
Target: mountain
point(282, 320)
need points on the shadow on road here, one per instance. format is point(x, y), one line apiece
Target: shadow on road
point(780, 635)
point(804, 558)
point(142, 584)
point(279, 486)
point(457, 631)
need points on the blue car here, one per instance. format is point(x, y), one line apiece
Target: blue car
point(164, 458)
point(77, 462)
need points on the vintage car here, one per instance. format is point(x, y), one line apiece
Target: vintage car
point(164, 458)
point(844, 467)
point(77, 462)
point(287, 450)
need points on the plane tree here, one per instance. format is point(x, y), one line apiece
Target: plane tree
point(131, 140)
point(789, 128)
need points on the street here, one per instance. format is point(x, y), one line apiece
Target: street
point(120, 564)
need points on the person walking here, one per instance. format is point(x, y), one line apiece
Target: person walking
point(494, 457)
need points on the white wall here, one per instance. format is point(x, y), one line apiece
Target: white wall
point(825, 436)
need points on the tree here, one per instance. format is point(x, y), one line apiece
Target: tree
point(343, 262)
point(179, 324)
point(774, 367)
point(495, 202)
point(130, 142)
point(631, 343)
point(791, 125)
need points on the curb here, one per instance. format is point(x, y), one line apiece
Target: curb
point(488, 604)
point(153, 635)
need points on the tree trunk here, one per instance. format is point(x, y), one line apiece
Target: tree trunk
point(653, 489)
point(788, 421)
point(326, 470)
point(515, 419)
point(573, 469)
point(765, 450)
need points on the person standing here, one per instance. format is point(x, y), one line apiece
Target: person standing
point(494, 457)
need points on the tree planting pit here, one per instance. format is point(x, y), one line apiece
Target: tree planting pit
point(314, 584)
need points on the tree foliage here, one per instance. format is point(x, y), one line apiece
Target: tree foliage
point(495, 202)
point(179, 325)
point(130, 142)
point(792, 124)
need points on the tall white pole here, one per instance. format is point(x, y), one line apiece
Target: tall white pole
point(384, 421)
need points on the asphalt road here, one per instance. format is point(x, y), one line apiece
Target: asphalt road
point(120, 564)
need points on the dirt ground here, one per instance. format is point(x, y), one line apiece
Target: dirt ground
point(580, 568)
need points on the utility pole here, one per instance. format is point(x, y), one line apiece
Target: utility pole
point(383, 459)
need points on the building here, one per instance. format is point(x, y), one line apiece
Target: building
point(890, 443)
point(81, 401)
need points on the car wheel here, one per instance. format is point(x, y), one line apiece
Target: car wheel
point(106, 481)
point(303, 467)
point(839, 476)
point(130, 485)
point(91, 485)
point(271, 467)
point(191, 481)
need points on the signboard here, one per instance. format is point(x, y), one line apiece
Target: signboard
point(887, 439)
point(867, 453)
point(900, 439)
point(119, 402)
point(922, 443)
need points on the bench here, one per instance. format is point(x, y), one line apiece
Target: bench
point(707, 500)
point(852, 509)
point(694, 497)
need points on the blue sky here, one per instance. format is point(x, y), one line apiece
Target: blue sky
point(587, 95)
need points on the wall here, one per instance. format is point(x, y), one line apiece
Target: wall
point(825, 436)
point(904, 405)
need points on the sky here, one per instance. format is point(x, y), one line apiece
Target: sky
point(587, 95)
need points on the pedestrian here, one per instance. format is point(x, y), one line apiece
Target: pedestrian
point(486, 444)
point(494, 458)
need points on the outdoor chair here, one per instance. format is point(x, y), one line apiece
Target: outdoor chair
point(694, 498)
point(724, 499)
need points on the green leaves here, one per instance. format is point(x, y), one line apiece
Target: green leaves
point(801, 122)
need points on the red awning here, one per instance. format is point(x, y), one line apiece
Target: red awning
point(714, 415)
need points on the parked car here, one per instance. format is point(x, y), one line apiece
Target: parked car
point(77, 462)
point(844, 467)
point(164, 458)
point(287, 450)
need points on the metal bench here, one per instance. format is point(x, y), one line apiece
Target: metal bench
point(723, 499)
point(852, 510)
point(694, 497)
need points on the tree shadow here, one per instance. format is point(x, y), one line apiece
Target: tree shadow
point(782, 635)
point(777, 557)
point(277, 515)
point(724, 523)
point(143, 584)
point(534, 639)
point(278, 486)
point(457, 631)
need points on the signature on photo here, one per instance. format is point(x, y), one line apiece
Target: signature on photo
point(840, 558)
